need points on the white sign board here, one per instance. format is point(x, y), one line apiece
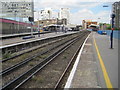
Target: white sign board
point(17, 9)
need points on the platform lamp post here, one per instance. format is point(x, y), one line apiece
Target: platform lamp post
point(38, 26)
point(99, 23)
point(111, 36)
point(15, 14)
point(31, 19)
point(112, 27)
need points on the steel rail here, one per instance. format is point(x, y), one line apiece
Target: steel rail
point(68, 66)
point(27, 75)
point(12, 68)
point(49, 60)
point(7, 59)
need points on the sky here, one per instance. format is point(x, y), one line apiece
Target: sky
point(79, 9)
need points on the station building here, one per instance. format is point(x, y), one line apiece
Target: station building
point(46, 13)
point(17, 9)
point(65, 14)
point(116, 11)
point(87, 23)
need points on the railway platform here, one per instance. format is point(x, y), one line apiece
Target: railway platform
point(96, 65)
point(9, 36)
point(42, 36)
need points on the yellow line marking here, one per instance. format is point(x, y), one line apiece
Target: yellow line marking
point(106, 77)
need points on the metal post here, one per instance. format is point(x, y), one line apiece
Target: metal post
point(18, 22)
point(14, 24)
point(31, 19)
point(38, 32)
point(31, 29)
point(111, 36)
point(56, 25)
point(38, 26)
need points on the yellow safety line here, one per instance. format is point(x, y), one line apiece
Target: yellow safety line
point(106, 77)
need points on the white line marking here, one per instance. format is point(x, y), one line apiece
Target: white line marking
point(89, 44)
point(70, 78)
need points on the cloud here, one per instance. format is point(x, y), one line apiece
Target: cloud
point(77, 17)
point(37, 15)
point(54, 3)
point(86, 14)
point(80, 9)
point(64, 3)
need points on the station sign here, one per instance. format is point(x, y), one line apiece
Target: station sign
point(16, 9)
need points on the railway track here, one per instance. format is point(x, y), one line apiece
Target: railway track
point(64, 76)
point(67, 69)
point(53, 74)
point(13, 48)
point(14, 60)
point(6, 72)
point(22, 78)
point(14, 67)
point(30, 50)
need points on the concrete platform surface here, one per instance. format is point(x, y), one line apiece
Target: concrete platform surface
point(42, 36)
point(109, 58)
point(89, 72)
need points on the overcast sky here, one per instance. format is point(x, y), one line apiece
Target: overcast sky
point(79, 9)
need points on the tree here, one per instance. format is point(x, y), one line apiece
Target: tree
point(49, 13)
point(108, 26)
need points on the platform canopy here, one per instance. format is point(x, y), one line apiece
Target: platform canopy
point(54, 25)
point(93, 25)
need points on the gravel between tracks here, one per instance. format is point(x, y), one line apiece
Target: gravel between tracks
point(48, 77)
point(16, 73)
point(26, 55)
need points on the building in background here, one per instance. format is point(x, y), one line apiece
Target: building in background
point(17, 9)
point(14, 16)
point(49, 15)
point(48, 22)
point(46, 14)
point(103, 26)
point(116, 11)
point(65, 14)
point(87, 23)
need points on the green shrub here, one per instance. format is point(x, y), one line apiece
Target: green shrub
point(7, 55)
